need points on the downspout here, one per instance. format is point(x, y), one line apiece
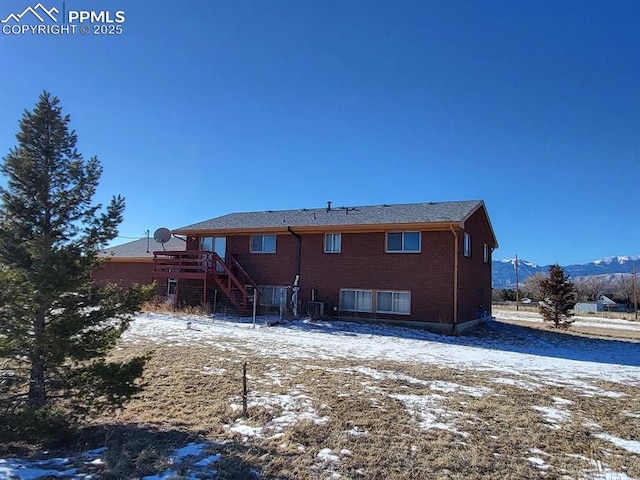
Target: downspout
point(455, 281)
point(299, 251)
point(295, 288)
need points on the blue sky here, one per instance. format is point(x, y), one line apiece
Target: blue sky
point(204, 108)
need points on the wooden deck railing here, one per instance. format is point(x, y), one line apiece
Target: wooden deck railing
point(194, 264)
point(206, 266)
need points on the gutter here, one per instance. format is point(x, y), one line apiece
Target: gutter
point(455, 281)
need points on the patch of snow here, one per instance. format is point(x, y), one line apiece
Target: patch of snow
point(246, 430)
point(601, 470)
point(27, 470)
point(553, 415)
point(537, 451)
point(632, 446)
point(213, 371)
point(538, 462)
point(190, 450)
point(205, 462)
point(451, 387)
point(438, 385)
point(96, 451)
point(517, 383)
point(166, 475)
point(356, 432)
point(327, 455)
point(428, 414)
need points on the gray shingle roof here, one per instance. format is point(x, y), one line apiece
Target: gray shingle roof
point(138, 248)
point(432, 212)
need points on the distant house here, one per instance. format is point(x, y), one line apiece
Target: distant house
point(426, 264)
point(603, 304)
point(132, 262)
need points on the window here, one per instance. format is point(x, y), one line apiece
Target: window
point(393, 302)
point(332, 242)
point(355, 300)
point(467, 245)
point(263, 244)
point(485, 253)
point(407, 242)
point(172, 286)
point(273, 296)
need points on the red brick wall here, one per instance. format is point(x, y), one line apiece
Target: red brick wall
point(267, 268)
point(362, 264)
point(474, 276)
point(124, 273)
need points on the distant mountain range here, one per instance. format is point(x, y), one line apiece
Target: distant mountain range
point(504, 275)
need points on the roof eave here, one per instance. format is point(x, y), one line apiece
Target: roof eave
point(482, 206)
point(364, 228)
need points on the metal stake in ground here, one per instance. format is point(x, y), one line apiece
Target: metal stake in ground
point(255, 296)
point(244, 390)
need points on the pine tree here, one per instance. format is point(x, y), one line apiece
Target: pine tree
point(558, 297)
point(56, 325)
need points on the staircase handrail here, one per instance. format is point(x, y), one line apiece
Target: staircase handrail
point(229, 273)
point(244, 273)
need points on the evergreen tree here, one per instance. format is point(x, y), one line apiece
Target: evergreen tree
point(558, 297)
point(56, 325)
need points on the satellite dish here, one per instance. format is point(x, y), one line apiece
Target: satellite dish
point(162, 235)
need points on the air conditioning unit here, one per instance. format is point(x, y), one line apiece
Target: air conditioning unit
point(317, 310)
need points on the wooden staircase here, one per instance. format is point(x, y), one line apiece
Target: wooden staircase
point(229, 276)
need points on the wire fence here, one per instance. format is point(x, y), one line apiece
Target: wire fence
point(533, 307)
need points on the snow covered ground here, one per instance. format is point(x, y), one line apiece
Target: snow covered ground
point(510, 354)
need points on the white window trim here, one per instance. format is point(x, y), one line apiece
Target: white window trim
point(485, 253)
point(386, 241)
point(392, 292)
point(275, 243)
point(342, 290)
point(466, 245)
point(339, 250)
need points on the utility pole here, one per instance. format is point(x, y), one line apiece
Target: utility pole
point(517, 286)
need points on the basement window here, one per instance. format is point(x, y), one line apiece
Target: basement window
point(403, 242)
point(355, 300)
point(273, 296)
point(263, 244)
point(393, 302)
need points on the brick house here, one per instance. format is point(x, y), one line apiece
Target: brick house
point(425, 264)
point(132, 262)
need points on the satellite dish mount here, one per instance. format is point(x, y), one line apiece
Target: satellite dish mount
point(162, 236)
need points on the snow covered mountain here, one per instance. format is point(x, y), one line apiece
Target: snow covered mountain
point(504, 275)
point(504, 272)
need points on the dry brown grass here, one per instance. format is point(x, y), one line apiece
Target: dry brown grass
point(374, 435)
